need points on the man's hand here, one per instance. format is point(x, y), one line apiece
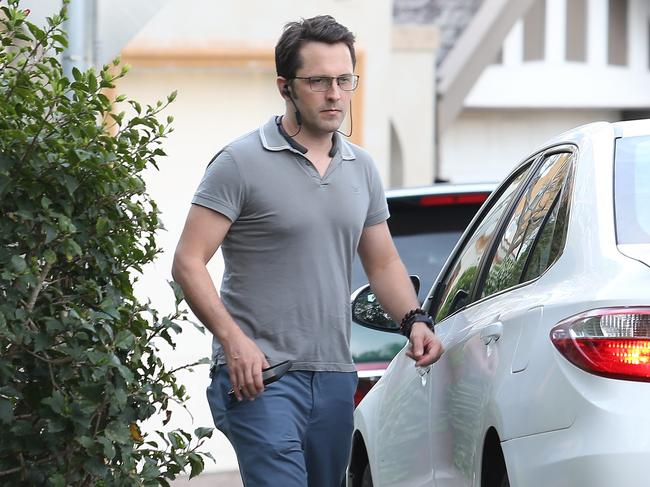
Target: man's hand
point(245, 363)
point(425, 345)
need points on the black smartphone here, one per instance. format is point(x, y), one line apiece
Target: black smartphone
point(270, 374)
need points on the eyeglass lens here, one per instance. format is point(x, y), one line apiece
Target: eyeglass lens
point(324, 83)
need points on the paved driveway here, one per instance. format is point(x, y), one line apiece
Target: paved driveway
point(222, 479)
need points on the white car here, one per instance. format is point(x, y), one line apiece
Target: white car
point(544, 311)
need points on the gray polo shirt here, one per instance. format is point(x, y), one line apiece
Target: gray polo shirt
point(288, 254)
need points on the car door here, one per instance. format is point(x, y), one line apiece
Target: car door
point(454, 386)
point(489, 327)
point(402, 446)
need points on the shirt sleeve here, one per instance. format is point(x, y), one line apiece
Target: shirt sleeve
point(377, 208)
point(222, 187)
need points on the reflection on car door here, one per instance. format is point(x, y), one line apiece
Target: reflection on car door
point(486, 334)
point(457, 388)
point(403, 457)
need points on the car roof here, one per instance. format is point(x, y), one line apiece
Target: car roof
point(628, 128)
point(441, 189)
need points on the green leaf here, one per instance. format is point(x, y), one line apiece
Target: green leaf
point(56, 402)
point(18, 263)
point(196, 463)
point(55, 426)
point(62, 40)
point(175, 440)
point(76, 74)
point(4, 183)
point(6, 411)
point(57, 480)
point(71, 183)
point(38, 34)
point(178, 291)
point(85, 441)
point(6, 163)
point(72, 249)
point(42, 341)
point(109, 449)
point(49, 256)
point(50, 233)
point(203, 432)
point(102, 225)
point(92, 82)
point(136, 106)
point(124, 340)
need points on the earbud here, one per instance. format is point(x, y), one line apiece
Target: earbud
point(287, 93)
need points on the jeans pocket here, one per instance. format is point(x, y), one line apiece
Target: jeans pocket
point(217, 394)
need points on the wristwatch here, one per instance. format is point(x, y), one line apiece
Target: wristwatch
point(417, 315)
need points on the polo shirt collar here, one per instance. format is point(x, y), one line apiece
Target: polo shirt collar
point(272, 139)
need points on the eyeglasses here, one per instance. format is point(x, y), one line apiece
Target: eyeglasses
point(347, 82)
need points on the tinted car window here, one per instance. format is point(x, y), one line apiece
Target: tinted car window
point(550, 243)
point(632, 190)
point(520, 234)
point(424, 237)
point(461, 275)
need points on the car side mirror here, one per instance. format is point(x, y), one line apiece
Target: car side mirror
point(367, 312)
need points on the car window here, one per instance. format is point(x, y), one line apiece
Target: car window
point(534, 209)
point(460, 277)
point(632, 190)
point(550, 243)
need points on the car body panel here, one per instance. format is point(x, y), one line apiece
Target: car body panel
point(557, 424)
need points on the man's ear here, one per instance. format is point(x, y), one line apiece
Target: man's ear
point(283, 87)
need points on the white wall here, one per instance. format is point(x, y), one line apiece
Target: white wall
point(485, 145)
point(412, 106)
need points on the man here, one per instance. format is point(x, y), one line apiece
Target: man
point(289, 204)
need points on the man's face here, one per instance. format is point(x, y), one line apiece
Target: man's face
point(322, 112)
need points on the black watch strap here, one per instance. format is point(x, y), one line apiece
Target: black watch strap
point(412, 317)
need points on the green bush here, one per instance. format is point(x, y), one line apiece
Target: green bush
point(79, 364)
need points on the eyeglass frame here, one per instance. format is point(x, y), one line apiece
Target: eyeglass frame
point(355, 79)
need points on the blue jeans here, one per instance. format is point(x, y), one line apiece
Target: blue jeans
point(297, 433)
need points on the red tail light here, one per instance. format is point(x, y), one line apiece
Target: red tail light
point(612, 342)
point(454, 199)
point(363, 386)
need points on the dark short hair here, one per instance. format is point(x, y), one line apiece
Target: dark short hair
point(323, 28)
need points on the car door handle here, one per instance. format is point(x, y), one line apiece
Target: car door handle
point(492, 332)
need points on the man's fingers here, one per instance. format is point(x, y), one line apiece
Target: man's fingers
point(250, 391)
point(425, 348)
point(236, 383)
point(247, 380)
point(417, 347)
point(432, 353)
point(412, 351)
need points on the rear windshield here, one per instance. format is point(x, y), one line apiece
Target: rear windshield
point(632, 190)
